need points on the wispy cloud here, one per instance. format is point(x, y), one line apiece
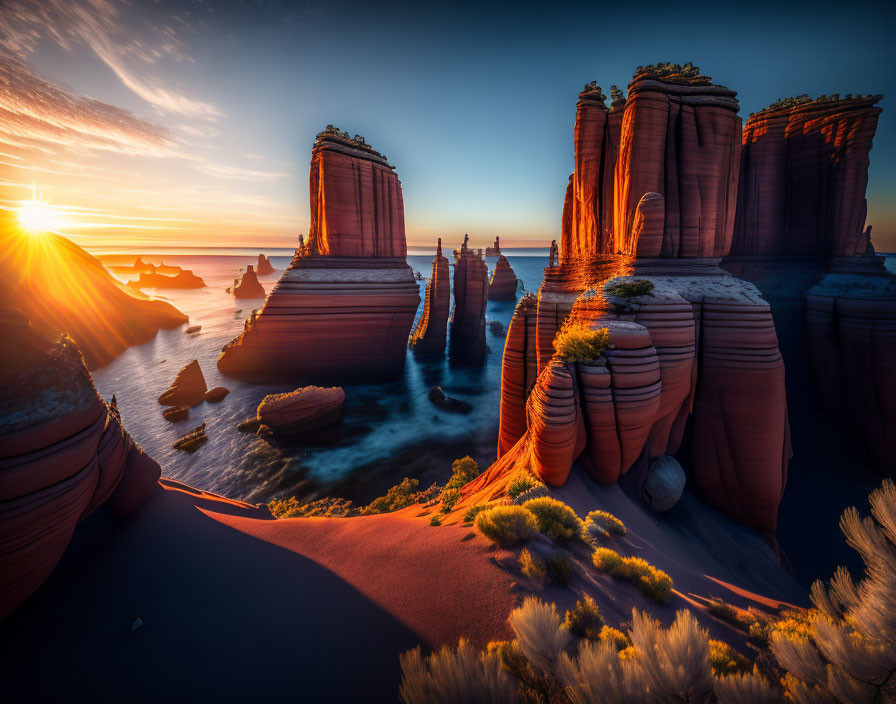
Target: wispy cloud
point(237, 172)
point(96, 24)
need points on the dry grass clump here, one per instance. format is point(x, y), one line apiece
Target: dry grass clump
point(606, 521)
point(555, 519)
point(654, 583)
point(522, 482)
point(474, 511)
point(561, 566)
point(725, 660)
point(507, 525)
point(531, 566)
point(584, 619)
point(631, 289)
point(328, 507)
point(615, 637)
point(577, 342)
point(435, 521)
point(535, 492)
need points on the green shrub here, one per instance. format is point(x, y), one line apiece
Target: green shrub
point(631, 289)
point(615, 637)
point(535, 492)
point(435, 520)
point(531, 566)
point(399, 496)
point(725, 660)
point(584, 619)
point(474, 511)
point(329, 507)
point(561, 566)
point(654, 583)
point(507, 525)
point(607, 521)
point(462, 471)
point(577, 342)
point(555, 519)
point(449, 498)
point(521, 482)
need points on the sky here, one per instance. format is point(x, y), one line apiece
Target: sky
point(190, 122)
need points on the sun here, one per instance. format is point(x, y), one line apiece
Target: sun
point(37, 216)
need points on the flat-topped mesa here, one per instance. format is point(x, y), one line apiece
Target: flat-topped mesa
point(804, 171)
point(431, 333)
point(677, 135)
point(344, 307)
point(467, 342)
point(502, 286)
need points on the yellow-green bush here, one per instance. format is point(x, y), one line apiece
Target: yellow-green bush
point(606, 521)
point(507, 525)
point(449, 498)
point(399, 496)
point(584, 619)
point(615, 637)
point(577, 342)
point(561, 566)
point(654, 583)
point(555, 519)
point(474, 511)
point(435, 521)
point(522, 482)
point(531, 566)
point(462, 471)
point(631, 289)
point(725, 660)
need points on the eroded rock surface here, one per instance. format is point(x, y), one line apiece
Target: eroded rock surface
point(431, 333)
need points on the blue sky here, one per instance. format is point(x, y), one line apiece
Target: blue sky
point(473, 102)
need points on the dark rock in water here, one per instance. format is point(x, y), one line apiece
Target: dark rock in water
point(193, 328)
point(301, 410)
point(216, 394)
point(455, 405)
point(193, 440)
point(176, 413)
point(187, 389)
point(250, 425)
point(497, 327)
point(247, 286)
point(264, 266)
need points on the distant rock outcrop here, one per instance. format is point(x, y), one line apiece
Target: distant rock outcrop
point(301, 410)
point(61, 288)
point(182, 279)
point(248, 286)
point(431, 332)
point(344, 307)
point(502, 286)
point(264, 266)
point(187, 389)
point(467, 341)
point(63, 453)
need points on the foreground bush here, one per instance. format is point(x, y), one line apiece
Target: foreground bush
point(507, 525)
point(327, 507)
point(449, 498)
point(462, 471)
point(725, 660)
point(532, 566)
point(474, 511)
point(584, 619)
point(399, 496)
point(555, 519)
point(606, 521)
point(577, 342)
point(654, 583)
point(522, 482)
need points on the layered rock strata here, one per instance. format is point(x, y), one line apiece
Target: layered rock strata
point(467, 341)
point(803, 175)
point(431, 333)
point(344, 308)
point(63, 453)
point(61, 288)
point(502, 286)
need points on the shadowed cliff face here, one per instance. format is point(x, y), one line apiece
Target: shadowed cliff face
point(804, 171)
point(61, 288)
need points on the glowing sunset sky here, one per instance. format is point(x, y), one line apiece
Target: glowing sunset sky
point(190, 122)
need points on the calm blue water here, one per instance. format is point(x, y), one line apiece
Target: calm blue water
point(387, 432)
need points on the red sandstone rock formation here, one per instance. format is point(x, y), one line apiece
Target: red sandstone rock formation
point(61, 288)
point(248, 285)
point(187, 389)
point(502, 286)
point(217, 394)
point(345, 306)
point(804, 170)
point(63, 452)
point(264, 266)
point(519, 368)
point(303, 409)
point(431, 333)
point(470, 300)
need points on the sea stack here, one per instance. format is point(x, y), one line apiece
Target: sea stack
point(264, 266)
point(63, 453)
point(801, 235)
point(649, 211)
point(343, 309)
point(431, 333)
point(467, 341)
point(502, 286)
point(248, 286)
